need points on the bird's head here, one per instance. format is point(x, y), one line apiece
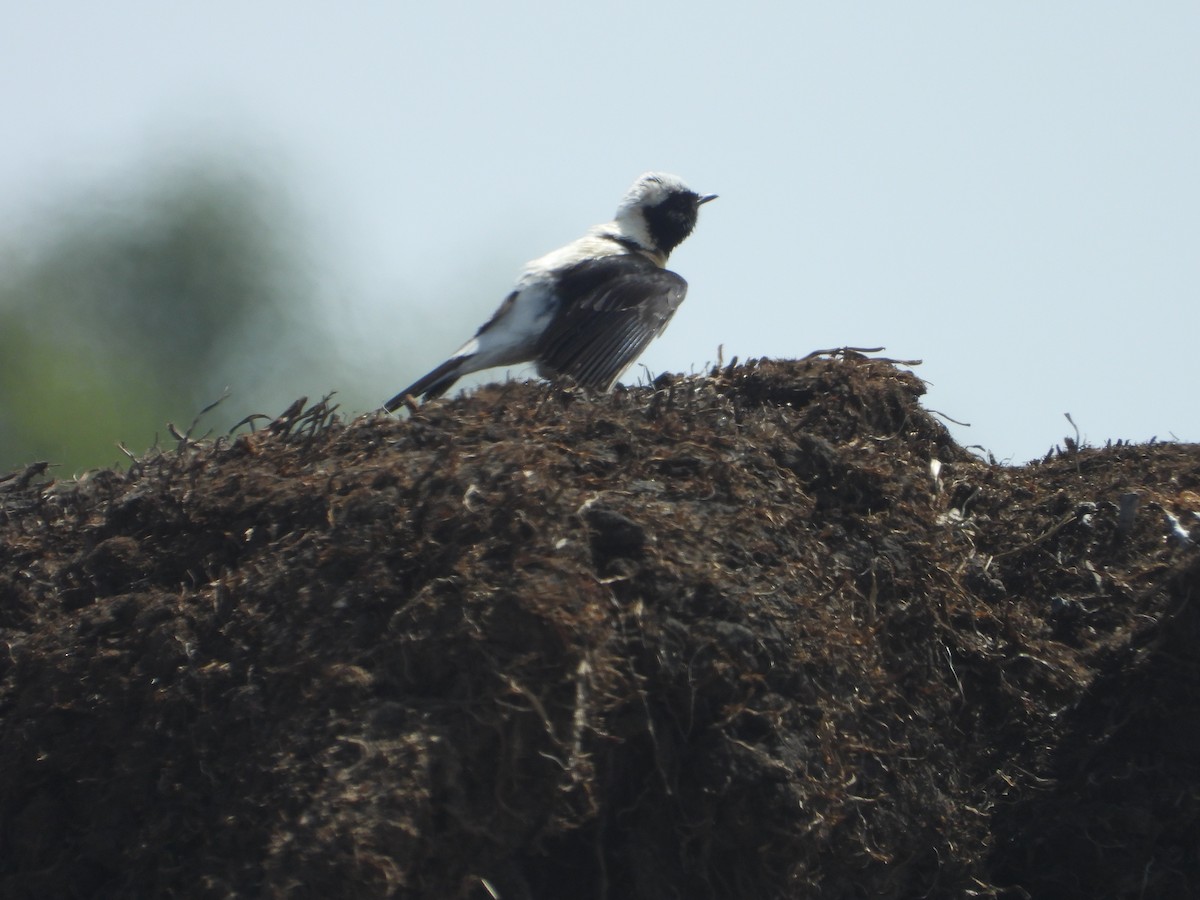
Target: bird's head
point(659, 211)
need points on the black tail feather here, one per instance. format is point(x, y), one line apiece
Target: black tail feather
point(432, 385)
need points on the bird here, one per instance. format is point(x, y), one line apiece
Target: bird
point(586, 310)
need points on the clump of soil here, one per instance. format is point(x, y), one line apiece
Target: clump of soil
point(766, 633)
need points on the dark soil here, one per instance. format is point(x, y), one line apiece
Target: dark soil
point(723, 637)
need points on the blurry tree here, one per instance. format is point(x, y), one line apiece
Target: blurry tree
point(135, 308)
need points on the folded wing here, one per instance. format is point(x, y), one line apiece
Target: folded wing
point(620, 305)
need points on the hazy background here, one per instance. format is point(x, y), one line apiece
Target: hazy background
point(288, 198)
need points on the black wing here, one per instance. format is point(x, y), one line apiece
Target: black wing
point(612, 308)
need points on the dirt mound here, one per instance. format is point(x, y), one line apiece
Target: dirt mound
point(761, 634)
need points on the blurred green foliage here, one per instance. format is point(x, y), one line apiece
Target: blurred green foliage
point(137, 307)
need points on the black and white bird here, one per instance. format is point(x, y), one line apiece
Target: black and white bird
point(589, 309)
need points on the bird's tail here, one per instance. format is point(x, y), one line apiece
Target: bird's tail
point(432, 385)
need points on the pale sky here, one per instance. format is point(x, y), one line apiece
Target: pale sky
point(1009, 192)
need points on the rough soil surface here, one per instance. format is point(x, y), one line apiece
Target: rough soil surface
point(722, 637)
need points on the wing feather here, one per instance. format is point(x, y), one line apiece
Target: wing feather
point(620, 304)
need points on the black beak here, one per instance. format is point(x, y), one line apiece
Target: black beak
point(706, 198)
